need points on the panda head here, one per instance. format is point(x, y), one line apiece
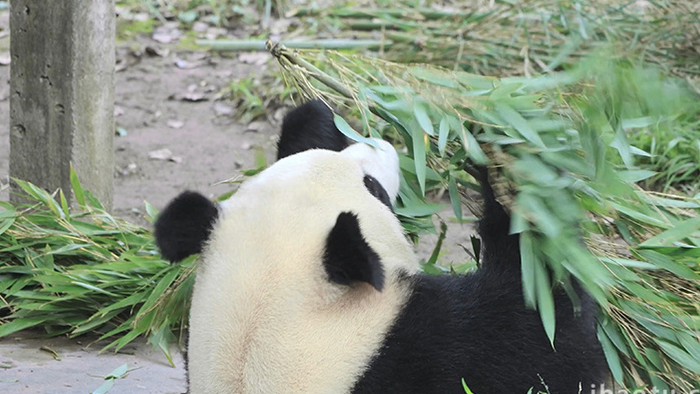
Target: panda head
point(314, 214)
point(318, 217)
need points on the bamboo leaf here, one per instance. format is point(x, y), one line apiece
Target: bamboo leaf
point(64, 202)
point(104, 387)
point(420, 111)
point(476, 82)
point(529, 262)
point(679, 231)
point(118, 372)
point(514, 119)
point(465, 387)
point(455, 199)
point(345, 128)
point(443, 133)
point(6, 224)
point(432, 260)
point(161, 339)
point(545, 302)
point(92, 324)
point(614, 362)
point(419, 157)
point(661, 261)
point(151, 212)
point(634, 176)
point(432, 76)
point(471, 146)
point(533, 207)
point(623, 147)
point(416, 210)
point(680, 356)
point(21, 324)
point(78, 192)
point(637, 215)
point(41, 195)
point(94, 288)
point(158, 290)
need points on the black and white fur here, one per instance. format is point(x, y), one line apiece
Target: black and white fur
point(307, 284)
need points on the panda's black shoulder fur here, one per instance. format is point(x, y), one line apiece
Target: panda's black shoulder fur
point(309, 126)
point(477, 327)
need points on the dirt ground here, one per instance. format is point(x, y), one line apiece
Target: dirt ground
point(165, 99)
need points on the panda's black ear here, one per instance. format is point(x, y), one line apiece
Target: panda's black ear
point(309, 126)
point(184, 225)
point(348, 257)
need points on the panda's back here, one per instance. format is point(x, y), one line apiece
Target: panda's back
point(476, 327)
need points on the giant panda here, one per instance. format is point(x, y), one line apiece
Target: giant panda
point(307, 284)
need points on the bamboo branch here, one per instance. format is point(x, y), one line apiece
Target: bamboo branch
point(402, 13)
point(259, 45)
point(279, 51)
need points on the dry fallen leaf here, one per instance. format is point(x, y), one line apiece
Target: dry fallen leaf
point(164, 154)
point(175, 124)
point(160, 154)
point(142, 17)
point(155, 51)
point(184, 64)
point(280, 113)
point(214, 33)
point(163, 38)
point(166, 34)
point(130, 169)
point(200, 27)
point(256, 126)
point(222, 109)
point(189, 64)
point(194, 97)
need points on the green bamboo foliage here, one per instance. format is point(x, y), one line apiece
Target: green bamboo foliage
point(74, 272)
point(564, 166)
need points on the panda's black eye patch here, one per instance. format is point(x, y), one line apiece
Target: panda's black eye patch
point(375, 188)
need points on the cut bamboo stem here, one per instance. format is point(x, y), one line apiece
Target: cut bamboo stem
point(421, 13)
point(279, 51)
point(259, 45)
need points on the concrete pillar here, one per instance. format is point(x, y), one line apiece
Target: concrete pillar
point(62, 94)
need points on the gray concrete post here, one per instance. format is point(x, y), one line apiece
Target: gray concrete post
point(62, 94)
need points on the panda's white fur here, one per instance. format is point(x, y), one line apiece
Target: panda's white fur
point(248, 325)
point(307, 284)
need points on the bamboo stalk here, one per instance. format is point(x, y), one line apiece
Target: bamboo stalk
point(259, 45)
point(420, 13)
